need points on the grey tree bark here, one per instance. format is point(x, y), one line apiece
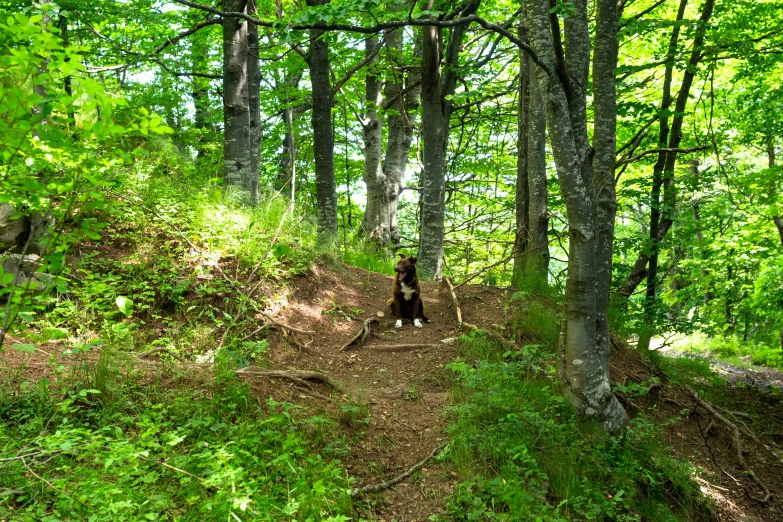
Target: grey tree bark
point(384, 178)
point(373, 224)
point(586, 180)
point(323, 138)
point(254, 107)
point(236, 107)
point(521, 193)
point(435, 116)
point(538, 247)
point(531, 263)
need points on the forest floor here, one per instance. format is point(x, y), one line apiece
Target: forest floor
point(398, 390)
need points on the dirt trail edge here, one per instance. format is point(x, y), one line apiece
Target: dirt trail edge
point(399, 376)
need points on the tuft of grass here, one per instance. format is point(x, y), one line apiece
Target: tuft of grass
point(535, 320)
point(367, 256)
point(524, 454)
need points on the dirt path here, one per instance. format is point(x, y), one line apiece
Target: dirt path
point(759, 378)
point(407, 391)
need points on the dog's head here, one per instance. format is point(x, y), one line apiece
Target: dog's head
point(406, 268)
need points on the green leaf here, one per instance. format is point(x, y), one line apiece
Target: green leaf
point(125, 305)
point(27, 348)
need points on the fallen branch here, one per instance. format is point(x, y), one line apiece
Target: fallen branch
point(400, 347)
point(362, 335)
point(456, 301)
point(737, 442)
point(375, 488)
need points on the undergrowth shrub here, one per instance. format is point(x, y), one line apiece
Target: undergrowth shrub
point(525, 455)
point(118, 447)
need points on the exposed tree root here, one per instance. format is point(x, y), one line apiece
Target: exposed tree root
point(400, 347)
point(362, 335)
point(737, 442)
point(374, 488)
point(297, 376)
point(456, 301)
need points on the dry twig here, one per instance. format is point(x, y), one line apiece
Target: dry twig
point(362, 335)
point(357, 492)
point(456, 301)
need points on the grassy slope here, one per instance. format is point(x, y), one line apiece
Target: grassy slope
point(112, 442)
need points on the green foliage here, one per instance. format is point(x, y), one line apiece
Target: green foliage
point(732, 350)
point(523, 454)
point(142, 451)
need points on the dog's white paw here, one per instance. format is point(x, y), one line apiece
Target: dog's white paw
point(398, 324)
point(417, 323)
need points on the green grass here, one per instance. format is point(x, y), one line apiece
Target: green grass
point(108, 445)
point(523, 454)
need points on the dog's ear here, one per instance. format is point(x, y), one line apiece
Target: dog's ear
point(412, 259)
point(402, 256)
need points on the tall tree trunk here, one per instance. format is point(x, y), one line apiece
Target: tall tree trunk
point(778, 220)
point(433, 181)
point(254, 106)
point(639, 271)
point(435, 116)
point(384, 179)
point(657, 182)
point(522, 194)
point(374, 225)
point(236, 109)
point(401, 125)
point(531, 263)
point(323, 138)
point(538, 246)
point(583, 359)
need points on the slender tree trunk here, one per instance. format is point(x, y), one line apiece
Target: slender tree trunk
point(236, 109)
point(657, 182)
point(583, 359)
point(435, 116)
point(778, 220)
point(538, 220)
point(254, 106)
point(433, 130)
point(522, 194)
point(375, 224)
point(323, 138)
point(639, 271)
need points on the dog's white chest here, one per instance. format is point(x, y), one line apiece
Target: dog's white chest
point(407, 291)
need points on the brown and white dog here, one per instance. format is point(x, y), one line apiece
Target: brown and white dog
point(406, 300)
